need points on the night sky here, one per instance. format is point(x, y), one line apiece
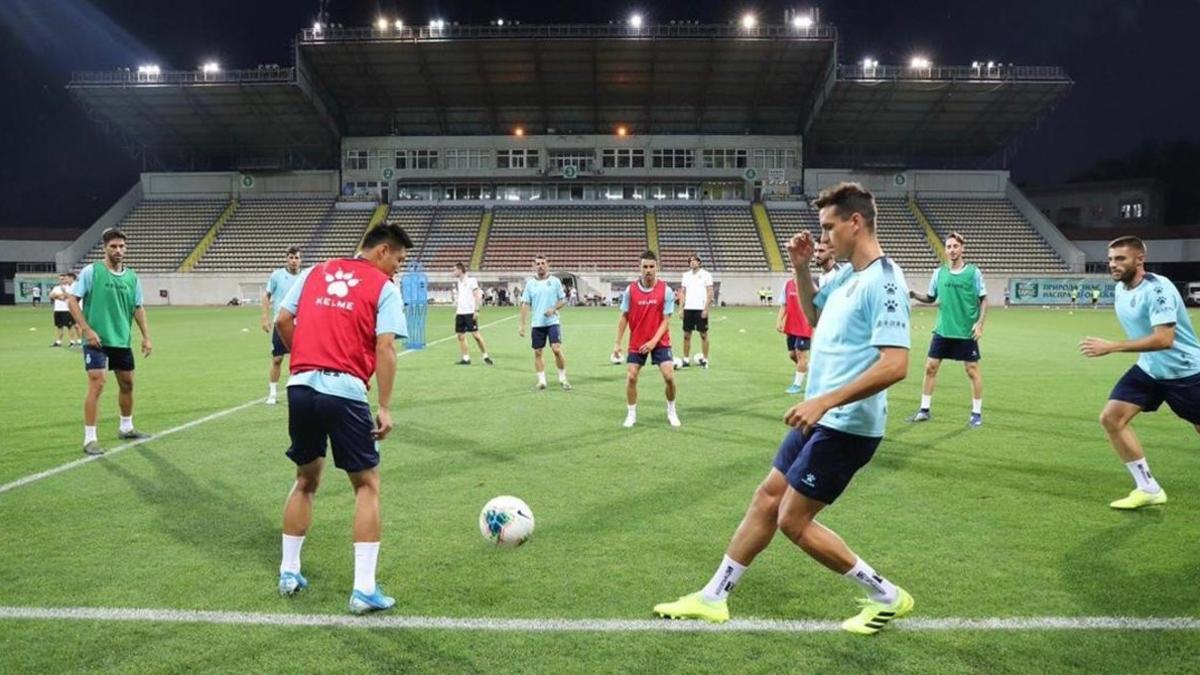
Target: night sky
point(1134, 62)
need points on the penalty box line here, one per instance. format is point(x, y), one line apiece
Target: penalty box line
point(33, 478)
point(992, 624)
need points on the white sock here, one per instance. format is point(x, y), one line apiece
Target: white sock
point(89, 434)
point(1140, 470)
point(798, 379)
point(273, 389)
point(976, 406)
point(126, 424)
point(366, 555)
point(670, 407)
point(632, 409)
point(926, 401)
point(723, 581)
point(562, 374)
point(880, 589)
point(466, 358)
point(291, 553)
point(541, 377)
point(485, 356)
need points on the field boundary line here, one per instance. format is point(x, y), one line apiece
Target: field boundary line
point(992, 624)
point(33, 478)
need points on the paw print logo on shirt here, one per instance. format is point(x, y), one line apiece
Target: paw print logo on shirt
point(890, 288)
point(891, 305)
point(340, 283)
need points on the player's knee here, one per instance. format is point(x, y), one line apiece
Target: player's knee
point(1112, 420)
point(125, 385)
point(766, 501)
point(793, 525)
point(631, 378)
point(307, 484)
point(931, 368)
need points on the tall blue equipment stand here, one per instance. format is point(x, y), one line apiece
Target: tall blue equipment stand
point(414, 288)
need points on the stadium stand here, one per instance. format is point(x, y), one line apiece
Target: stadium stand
point(163, 232)
point(442, 235)
point(578, 237)
point(899, 233)
point(999, 239)
point(339, 235)
point(255, 238)
point(725, 238)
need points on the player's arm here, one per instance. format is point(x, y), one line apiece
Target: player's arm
point(478, 293)
point(139, 317)
point(780, 320)
point(658, 334)
point(977, 329)
point(888, 369)
point(708, 298)
point(922, 297)
point(385, 378)
point(85, 329)
point(285, 326)
point(622, 324)
point(524, 318)
point(1161, 338)
point(266, 312)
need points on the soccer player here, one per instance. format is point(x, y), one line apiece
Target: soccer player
point(697, 287)
point(957, 287)
point(105, 302)
point(340, 320)
point(646, 308)
point(544, 296)
point(1095, 298)
point(278, 285)
point(64, 324)
point(860, 348)
point(466, 318)
point(823, 255)
point(35, 294)
point(1160, 331)
point(797, 331)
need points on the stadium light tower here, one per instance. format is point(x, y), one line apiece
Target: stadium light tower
point(635, 20)
point(749, 21)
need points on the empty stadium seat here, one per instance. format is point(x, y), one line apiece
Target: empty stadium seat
point(572, 237)
point(999, 238)
point(725, 237)
point(441, 235)
point(257, 236)
point(901, 237)
point(163, 232)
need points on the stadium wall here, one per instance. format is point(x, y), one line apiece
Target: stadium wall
point(66, 258)
point(231, 184)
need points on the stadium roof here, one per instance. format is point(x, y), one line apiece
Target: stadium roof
point(569, 79)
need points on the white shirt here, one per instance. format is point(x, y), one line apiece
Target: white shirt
point(466, 295)
point(695, 287)
point(826, 276)
point(61, 305)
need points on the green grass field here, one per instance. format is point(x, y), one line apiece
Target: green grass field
point(1010, 520)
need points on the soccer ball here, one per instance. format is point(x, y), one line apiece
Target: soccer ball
point(506, 521)
point(678, 362)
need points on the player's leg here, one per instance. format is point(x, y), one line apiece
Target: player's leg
point(297, 517)
point(273, 379)
point(125, 402)
point(479, 342)
point(539, 366)
point(91, 409)
point(632, 370)
point(464, 354)
point(666, 365)
point(1116, 419)
point(927, 386)
point(59, 329)
point(975, 375)
point(704, 345)
point(687, 344)
point(560, 360)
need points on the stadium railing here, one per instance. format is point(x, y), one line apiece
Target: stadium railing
point(614, 30)
point(127, 76)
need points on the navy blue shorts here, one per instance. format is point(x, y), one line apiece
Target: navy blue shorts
point(795, 343)
point(657, 357)
point(1182, 395)
point(110, 358)
point(819, 465)
point(314, 418)
point(543, 334)
point(277, 346)
point(955, 349)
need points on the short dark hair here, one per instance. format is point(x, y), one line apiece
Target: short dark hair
point(293, 250)
point(958, 237)
point(696, 258)
point(848, 199)
point(649, 255)
point(110, 234)
point(1130, 241)
point(387, 233)
point(460, 267)
point(540, 257)
point(72, 275)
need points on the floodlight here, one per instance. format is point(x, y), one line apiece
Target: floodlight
point(749, 21)
point(317, 27)
point(382, 24)
point(635, 20)
point(622, 131)
point(399, 24)
point(211, 67)
point(920, 62)
point(519, 131)
point(500, 22)
point(802, 22)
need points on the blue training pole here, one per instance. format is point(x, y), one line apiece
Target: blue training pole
point(414, 287)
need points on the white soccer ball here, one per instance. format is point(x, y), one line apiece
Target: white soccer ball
point(506, 521)
point(678, 362)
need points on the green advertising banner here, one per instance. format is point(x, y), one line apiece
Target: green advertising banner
point(1058, 290)
point(23, 284)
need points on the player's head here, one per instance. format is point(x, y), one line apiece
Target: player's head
point(460, 270)
point(293, 259)
point(954, 246)
point(114, 245)
point(694, 262)
point(541, 266)
point(62, 278)
point(847, 217)
point(649, 268)
point(823, 253)
point(1126, 257)
point(386, 246)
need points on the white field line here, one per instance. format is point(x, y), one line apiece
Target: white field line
point(1033, 623)
point(174, 430)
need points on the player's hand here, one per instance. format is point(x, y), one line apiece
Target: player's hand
point(704, 313)
point(646, 348)
point(800, 249)
point(476, 317)
point(93, 339)
point(551, 312)
point(977, 330)
point(1092, 347)
point(383, 424)
point(266, 325)
point(804, 416)
point(146, 347)
point(779, 328)
point(521, 331)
